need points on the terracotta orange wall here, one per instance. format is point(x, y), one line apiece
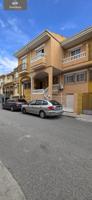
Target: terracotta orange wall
point(76, 88)
point(47, 49)
point(84, 47)
point(56, 54)
point(53, 53)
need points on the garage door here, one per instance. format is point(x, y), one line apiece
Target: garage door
point(70, 102)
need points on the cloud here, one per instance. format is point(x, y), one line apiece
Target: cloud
point(13, 32)
point(68, 26)
point(7, 63)
point(13, 23)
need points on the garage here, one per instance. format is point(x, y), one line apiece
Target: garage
point(69, 103)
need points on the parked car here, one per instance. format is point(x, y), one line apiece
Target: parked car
point(13, 104)
point(43, 108)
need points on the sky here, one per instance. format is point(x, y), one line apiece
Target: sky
point(17, 28)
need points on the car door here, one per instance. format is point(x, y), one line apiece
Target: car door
point(38, 106)
point(31, 107)
point(7, 104)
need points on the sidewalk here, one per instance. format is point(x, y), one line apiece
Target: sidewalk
point(9, 189)
point(69, 114)
point(82, 117)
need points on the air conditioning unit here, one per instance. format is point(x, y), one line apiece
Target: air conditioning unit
point(61, 86)
point(14, 3)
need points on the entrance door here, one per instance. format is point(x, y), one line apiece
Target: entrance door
point(70, 102)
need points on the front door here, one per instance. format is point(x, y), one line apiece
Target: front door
point(70, 102)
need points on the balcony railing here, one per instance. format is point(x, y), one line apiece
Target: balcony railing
point(55, 88)
point(38, 91)
point(75, 57)
point(37, 57)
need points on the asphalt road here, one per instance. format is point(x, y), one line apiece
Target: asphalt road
point(51, 159)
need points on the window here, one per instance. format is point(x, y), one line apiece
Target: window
point(10, 101)
point(33, 102)
point(24, 62)
point(27, 85)
point(75, 52)
point(40, 52)
point(45, 103)
point(16, 75)
point(22, 100)
point(81, 76)
point(39, 102)
point(75, 77)
point(55, 103)
point(69, 78)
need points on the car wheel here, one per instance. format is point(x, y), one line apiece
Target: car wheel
point(24, 111)
point(12, 108)
point(42, 114)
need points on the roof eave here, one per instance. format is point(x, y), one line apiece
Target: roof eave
point(81, 37)
point(31, 45)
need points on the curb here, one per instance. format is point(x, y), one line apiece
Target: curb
point(9, 189)
point(78, 117)
point(69, 115)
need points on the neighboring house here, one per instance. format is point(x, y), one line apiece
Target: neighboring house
point(1, 86)
point(8, 87)
point(1, 83)
point(9, 84)
point(77, 72)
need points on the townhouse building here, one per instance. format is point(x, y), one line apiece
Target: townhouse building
point(77, 72)
point(39, 65)
point(54, 67)
point(9, 84)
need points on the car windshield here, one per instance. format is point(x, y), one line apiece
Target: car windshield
point(55, 103)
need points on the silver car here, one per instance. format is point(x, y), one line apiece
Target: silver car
point(43, 108)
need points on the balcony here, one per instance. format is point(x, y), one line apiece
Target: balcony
point(23, 68)
point(38, 61)
point(8, 81)
point(55, 89)
point(75, 57)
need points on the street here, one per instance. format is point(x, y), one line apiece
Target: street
point(51, 159)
